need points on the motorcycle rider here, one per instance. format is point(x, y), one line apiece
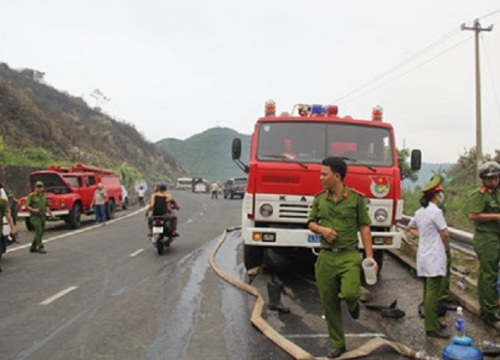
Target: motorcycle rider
point(161, 206)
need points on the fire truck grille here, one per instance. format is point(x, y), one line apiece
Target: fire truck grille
point(281, 179)
point(293, 211)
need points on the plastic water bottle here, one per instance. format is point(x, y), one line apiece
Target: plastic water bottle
point(459, 323)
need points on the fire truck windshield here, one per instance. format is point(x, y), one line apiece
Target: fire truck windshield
point(310, 142)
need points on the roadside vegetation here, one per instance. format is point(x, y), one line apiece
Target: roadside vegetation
point(459, 181)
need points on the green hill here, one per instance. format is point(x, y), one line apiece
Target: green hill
point(40, 125)
point(208, 154)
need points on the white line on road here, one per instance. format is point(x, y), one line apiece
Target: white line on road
point(58, 295)
point(75, 231)
point(189, 221)
point(136, 253)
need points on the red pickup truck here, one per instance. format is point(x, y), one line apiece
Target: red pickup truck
point(70, 191)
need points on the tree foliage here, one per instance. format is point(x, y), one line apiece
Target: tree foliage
point(404, 166)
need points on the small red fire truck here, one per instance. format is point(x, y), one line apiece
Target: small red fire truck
point(70, 191)
point(283, 176)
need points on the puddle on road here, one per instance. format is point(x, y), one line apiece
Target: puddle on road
point(234, 301)
point(184, 289)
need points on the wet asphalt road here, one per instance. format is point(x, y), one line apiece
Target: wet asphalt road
point(104, 293)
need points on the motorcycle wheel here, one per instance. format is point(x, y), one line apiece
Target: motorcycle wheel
point(159, 247)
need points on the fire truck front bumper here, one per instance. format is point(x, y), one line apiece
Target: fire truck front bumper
point(272, 237)
point(57, 213)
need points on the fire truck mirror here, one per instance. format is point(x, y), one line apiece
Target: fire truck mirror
point(236, 149)
point(416, 159)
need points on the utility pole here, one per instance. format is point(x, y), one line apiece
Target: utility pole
point(477, 29)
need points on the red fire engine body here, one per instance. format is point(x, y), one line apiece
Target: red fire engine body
point(70, 191)
point(283, 176)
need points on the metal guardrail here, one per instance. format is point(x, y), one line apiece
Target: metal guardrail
point(460, 240)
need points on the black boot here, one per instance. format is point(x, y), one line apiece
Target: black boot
point(274, 291)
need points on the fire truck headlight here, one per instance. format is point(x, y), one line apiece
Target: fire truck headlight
point(266, 210)
point(381, 215)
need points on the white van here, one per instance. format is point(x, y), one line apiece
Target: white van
point(184, 184)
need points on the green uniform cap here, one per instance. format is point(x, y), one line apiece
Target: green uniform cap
point(433, 186)
point(38, 183)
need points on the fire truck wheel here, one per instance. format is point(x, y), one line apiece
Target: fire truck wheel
point(253, 256)
point(75, 216)
point(29, 225)
point(110, 209)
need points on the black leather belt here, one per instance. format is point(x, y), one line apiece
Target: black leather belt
point(339, 250)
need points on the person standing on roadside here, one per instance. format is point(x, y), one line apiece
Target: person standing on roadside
point(14, 205)
point(37, 206)
point(215, 190)
point(484, 211)
point(430, 227)
point(141, 192)
point(99, 203)
point(337, 214)
point(5, 212)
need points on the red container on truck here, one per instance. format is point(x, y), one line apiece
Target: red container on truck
point(283, 176)
point(70, 191)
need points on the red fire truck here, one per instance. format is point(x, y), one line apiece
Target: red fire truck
point(283, 176)
point(70, 192)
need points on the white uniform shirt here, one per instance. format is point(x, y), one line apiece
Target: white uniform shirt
point(431, 253)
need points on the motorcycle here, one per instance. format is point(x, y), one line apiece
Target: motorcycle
point(162, 233)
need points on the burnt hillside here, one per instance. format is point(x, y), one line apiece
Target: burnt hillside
point(34, 114)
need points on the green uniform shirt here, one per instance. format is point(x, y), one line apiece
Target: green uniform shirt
point(485, 201)
point(37, 202)
point(345, 216)
point(4, 209)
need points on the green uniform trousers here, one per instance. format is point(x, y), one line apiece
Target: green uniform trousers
point(487, 248)
point(444, 293)
point(338, 278)
point(38, 223)
point(432, 290)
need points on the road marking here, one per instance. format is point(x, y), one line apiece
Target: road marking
point(136, 253)
point(20, 247)
point(201, 214)
point(58, 295)
point(189, 221)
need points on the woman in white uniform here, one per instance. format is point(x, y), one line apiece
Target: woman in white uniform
point(430, 227)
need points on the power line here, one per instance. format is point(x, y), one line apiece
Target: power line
point(410, 70)
point(403, 63)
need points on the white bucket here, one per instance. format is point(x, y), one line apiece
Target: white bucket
point(370, 271)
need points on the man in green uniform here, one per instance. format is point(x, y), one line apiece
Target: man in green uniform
point(38, 207)
point(484, 211)
point(337, 214)
point(5, 212)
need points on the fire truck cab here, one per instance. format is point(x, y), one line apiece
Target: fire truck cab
point(283, 176)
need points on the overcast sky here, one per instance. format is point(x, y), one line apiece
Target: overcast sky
point(177, 68)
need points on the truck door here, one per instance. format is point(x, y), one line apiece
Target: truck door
point(87, 190)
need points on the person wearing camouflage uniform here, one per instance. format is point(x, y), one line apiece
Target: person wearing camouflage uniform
point(337, 214)
point(5, 212)
point(38, 207)
point(484, 211)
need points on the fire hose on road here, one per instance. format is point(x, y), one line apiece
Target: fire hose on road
point(286, 345)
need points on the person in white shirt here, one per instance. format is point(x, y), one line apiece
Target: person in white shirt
point(430, 227)
point(215, 190)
